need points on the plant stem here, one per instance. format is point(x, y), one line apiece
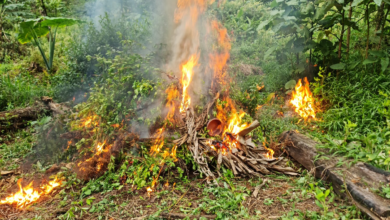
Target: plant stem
point(342, 34)
point(44, 12)
point(368, 30)
point(349, 30)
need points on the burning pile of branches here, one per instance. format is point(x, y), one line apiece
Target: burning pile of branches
point(236, 151)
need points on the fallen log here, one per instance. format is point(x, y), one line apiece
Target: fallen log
point(19, 118)
point(359, 179)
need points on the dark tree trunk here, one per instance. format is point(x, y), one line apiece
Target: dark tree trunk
point(44, 10)
point(383, 26)
point(368, 30)
point(349, 29)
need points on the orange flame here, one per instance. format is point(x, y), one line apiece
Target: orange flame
point(270, 154)
point(99, 147)
point(27, 195)
point(90, 121)
point(187, 73)
point(233, 125)
point(172, 95)
point(159, 142)
point(218, 59)
point(149, 190)
point(303, 101)
point(191, 7)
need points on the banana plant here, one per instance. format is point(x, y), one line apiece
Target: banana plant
point(33, 29)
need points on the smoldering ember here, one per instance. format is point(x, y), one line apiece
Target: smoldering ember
point(194, 109)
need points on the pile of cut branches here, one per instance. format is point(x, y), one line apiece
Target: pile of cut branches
point(246, 159)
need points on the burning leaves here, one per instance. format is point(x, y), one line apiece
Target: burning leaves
point(303, 101)
point(28, 195)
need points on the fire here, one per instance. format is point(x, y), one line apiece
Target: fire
point(149, 190)
point(269, 154)
point(192, 7)
point(159, 142)
point(99, 147)
point(187, 73)
point(27, 195)
point(303, 101)
point(233, 126)
point(172, 95)
point(218, 59)
point(90, 121)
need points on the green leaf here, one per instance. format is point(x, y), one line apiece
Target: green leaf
point(384, 64)
point(378, 2)
point(319, 204)
point(88, 192)
point(290, 84)
point(274, 4)
point(368, 61)
point(29, 28)
point(240, 13)
point(2, 2)
point(372, 156)
point(339, 66)
point(269, 52)
point(59, 22)
point(356, 2)
point(321, 12)
point(269, 97)
point(263, 24)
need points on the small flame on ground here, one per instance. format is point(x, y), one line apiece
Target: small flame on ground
point(269, 154)
point(99, 147)
point(159, 142)
point(27, 195)
point(149, 190)
point(303, 101)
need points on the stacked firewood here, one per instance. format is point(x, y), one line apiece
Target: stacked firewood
point(246, 159)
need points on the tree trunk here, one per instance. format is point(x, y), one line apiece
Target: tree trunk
point(357, 181)
point(341, 35)
point(349, 29)
point(44, 11)
point(368, 30)
point(379, 17)
point(383, 26)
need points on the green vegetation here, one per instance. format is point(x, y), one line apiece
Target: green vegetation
point(108, 72)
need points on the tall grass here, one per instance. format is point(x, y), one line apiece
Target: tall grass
point(20, 91)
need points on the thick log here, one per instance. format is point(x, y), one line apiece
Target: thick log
point(359, 178)
point(19, 118)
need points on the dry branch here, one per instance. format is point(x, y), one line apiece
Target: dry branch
point(183, 216)
point(245, 160)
